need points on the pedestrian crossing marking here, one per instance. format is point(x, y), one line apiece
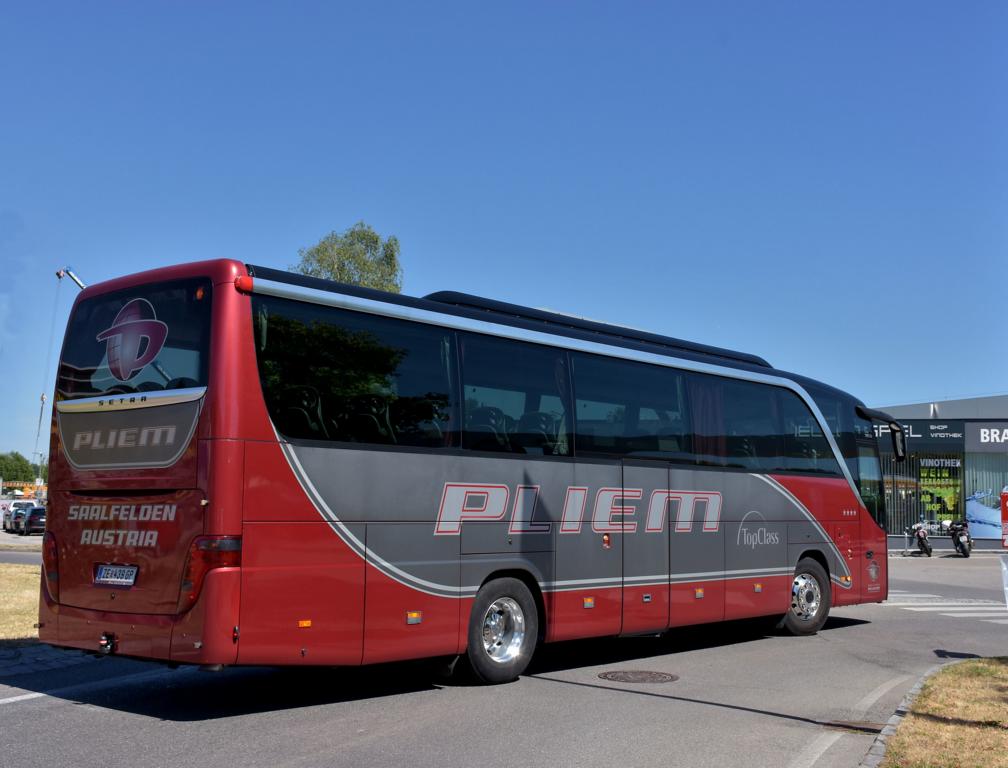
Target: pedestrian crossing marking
point(969, 615)
point(927, 605)
point(957, 608)
point(966, 608)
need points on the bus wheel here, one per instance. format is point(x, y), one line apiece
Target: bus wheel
point(503, 629)
point(810, 599)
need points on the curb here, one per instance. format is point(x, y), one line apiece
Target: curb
point(876, 752)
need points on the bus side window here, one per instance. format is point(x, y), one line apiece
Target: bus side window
point(630, 409)
point(736, 423)
point(515, 397)
point(751, 424)
point(332, 374)
point(706, 397)
point(805, 446)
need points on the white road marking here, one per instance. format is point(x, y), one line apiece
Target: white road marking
point(808, 756)
point(997, 621)
point(811, 754)
point(95, 685)
point(971, 615)
point(865, 704)
point(995, 607)
point(25, 697)
point(923, 606)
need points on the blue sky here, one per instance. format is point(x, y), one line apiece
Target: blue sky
point(823, 185)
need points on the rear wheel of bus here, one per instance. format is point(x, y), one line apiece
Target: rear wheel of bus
point(503, 630)
point(810, 599)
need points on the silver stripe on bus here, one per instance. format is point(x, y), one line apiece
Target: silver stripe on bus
point(105, 403)
point(657, 580)
point(429, 317)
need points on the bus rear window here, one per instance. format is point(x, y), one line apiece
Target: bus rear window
point(143, 339)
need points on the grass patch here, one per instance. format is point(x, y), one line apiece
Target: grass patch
point(959, 720)
point(19, 606)
point(33, 547)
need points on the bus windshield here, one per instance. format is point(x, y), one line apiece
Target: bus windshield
point(142, 339)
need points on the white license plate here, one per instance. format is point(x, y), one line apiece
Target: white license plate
point(116, 575)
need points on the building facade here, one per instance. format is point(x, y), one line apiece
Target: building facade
point(956, 466)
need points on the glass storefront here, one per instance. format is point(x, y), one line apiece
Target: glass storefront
point(954, 469)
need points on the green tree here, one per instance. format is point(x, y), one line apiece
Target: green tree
point(357, 256)
point(14, 466)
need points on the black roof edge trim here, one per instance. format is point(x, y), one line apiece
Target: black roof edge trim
point(506, 313)
point(334, 286)
point(565, 321)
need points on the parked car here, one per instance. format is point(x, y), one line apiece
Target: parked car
point(33, 521)
point(16, 517)
point(8, 517)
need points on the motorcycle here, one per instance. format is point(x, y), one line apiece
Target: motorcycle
point(959, 531)
point(920, 535)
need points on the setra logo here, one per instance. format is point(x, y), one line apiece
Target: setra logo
point(135, 323)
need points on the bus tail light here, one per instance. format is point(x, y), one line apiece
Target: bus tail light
point(50, 564)
point(205, 554)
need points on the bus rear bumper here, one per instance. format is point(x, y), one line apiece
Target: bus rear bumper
point(205, 634)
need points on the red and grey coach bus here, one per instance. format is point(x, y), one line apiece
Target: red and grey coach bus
point(254, 467)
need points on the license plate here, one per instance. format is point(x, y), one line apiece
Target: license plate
point(116, 575)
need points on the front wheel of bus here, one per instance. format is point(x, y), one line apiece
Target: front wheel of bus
point(503, 630)
point(810, 599)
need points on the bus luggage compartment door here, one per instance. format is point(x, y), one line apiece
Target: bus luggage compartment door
point(645, 547)
point(302, 597)
point(587, 596)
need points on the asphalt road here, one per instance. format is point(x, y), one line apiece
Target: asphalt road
point(20, 557)
point(744, 697)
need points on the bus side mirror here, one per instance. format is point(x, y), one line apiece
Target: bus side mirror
point(898, 440)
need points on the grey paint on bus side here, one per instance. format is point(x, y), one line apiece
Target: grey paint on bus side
point(761, 530)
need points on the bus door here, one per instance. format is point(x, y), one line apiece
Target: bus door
point(874, 582)
point(645, 546)
point(874, 561)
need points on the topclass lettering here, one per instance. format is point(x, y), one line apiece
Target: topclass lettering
point(131, 437)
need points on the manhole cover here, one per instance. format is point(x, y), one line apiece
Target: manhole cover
point(638, 676)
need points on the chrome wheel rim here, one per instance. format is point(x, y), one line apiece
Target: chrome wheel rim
point(503, 630)
point(806, 597)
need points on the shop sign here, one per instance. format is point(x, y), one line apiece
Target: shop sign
point(987, 437)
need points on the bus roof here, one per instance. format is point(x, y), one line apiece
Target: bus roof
point(558, 322)
point(477, 307)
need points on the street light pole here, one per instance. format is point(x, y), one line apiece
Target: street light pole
point(60, 274)
point(67, 272)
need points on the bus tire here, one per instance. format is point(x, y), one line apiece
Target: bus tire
point(810, 599)
point(503, 630)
